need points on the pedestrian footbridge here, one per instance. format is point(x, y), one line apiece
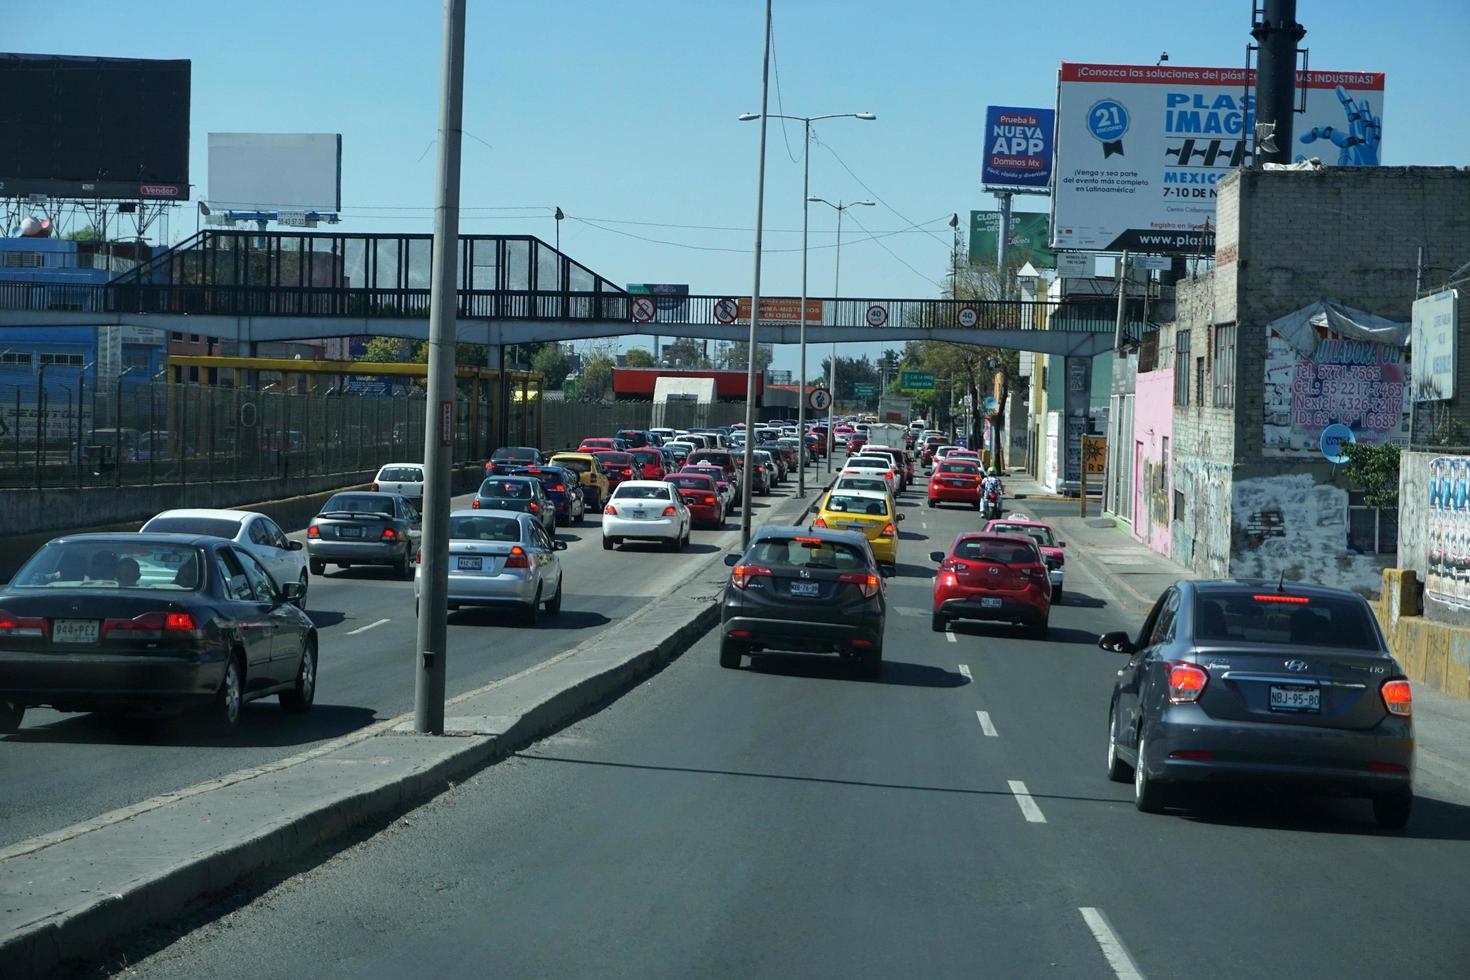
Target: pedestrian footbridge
point(249, 287)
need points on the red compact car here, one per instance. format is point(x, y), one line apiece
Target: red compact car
point(617, 466)
point(702, 496)
point(1046, 541)
point(955, 481)
point(855, 442)
point(992, 576)
point(596, 445)
point(650, 463)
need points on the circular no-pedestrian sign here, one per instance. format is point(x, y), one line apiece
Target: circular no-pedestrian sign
point(643, 308)
point(726, 310)
point(877, 315)
point(969, 316)
point(819, 399)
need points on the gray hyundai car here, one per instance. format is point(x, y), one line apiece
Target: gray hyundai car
point(1262, 682)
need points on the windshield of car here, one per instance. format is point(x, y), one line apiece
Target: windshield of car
point(401, 474)
point(1267, 616)
point(515, 452)
point(510, 489)
point(1041, 535)
point(484, 528)
point(627, 492)
point(218, 527)
point(1001, 552)
point(843, 503)
point(113, 564)
point(359, 503)
point(969, 469)
point(578, 466)
point(806, 553)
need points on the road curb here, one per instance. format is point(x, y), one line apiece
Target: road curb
point(54, 937)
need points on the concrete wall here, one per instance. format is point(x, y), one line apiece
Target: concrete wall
point(1153, 430)
point(1436, 655)
point(1200, 532)
point(1294, 525)
point(1434, 534)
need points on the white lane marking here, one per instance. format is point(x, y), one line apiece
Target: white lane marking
point(924, 524)
point(1028, 806)
point(988, 728)
point(965, 672)
point(364, 629)
point(950, 637)
point(1113, 949)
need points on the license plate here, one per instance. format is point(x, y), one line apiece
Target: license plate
point(74, 630)
point(470, 564)
point(1296, 697)
point(349, 532)
point(804, 588)
point(989, 603)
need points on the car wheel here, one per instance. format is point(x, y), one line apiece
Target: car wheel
point(1118, 770)
point(405, 567)
point(1056, 595)
point(871, 664)
point(318, 567)
point(1149, 795)
point(931, 501)
point(938, 623)
point(10, 716)
point(730, 654)
point(607, 543)
point(300, 602)
point(1391, 811)
point(300, 697)
point(553, 605)
point(532, 613)
point(229, 700)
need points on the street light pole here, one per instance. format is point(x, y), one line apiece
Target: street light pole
point(747, 470)
point(430, 663)
point(839, 207)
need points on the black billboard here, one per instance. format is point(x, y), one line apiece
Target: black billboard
point(94, 127)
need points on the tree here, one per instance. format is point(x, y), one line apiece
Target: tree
point(638, 358)
point(552, 362)
point(594, 381)
point(850, 371)
point(388, 349)
point(737, 356)
point(87, 234)
point(685, 353)
point(1375, 471)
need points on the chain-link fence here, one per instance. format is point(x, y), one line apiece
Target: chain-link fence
point(568, 423)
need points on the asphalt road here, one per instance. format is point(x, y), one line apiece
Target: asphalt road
point(789, 820)
point(63, 768)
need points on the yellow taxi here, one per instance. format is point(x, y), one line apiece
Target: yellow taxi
point(595, 487)
point(869, 511)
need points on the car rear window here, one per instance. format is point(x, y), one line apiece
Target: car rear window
point(645, 456)
point(515, 452)
point(862, 483)
point(973, 469)
point(578, 466)
point(359, 503)
point(401, 474)
point(484, 529)
point(1001, 552)
point(510, 489)
point(1268, 616)
point(692, 482)
point(712, 456)
point(1041, 535)
point(626, 492)
point(113, 564)
point(806, 553)
point(215, 526)
point(842, 503)
point(615, 458)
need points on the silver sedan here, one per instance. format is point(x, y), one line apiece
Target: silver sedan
point(501, 558)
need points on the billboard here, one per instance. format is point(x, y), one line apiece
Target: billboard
point(276, 171)
point(670, 300)
point(1017, 149)
point(1139, 148)
point(1030, 233)
point(1433, 345)
point(114, 128)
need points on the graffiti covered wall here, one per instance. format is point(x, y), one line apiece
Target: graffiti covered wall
point(1200, 532)
point(1293, 524)
point(1358, 383)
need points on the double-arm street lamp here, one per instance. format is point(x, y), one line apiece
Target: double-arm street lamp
point(839, 207)
point(806, 175)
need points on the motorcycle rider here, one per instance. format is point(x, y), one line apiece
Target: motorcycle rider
point(992, 485)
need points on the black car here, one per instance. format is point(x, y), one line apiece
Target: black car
point(508, 458)
point(1262, 682)
point(518, 493)
point(125, 621)
point(808, 591)
point(356, 528)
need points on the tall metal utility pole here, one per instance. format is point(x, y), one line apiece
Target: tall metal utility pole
point(1122, 294)
point(1003, 239)
point(747, 470)
point(1277, 33)
point(431, 657)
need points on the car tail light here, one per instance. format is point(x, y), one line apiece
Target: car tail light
point(867, 582)
point(313, 532)
point(669, 511)
point(375, 486)
point(149, 626)
point(739, 634)
point(709, 500)
point(1398, 698)
point(559, 488)
point(954, 565)
point(534, 507)
point(12, 625)
point(517, 558)
point(475, 504)
point(1186, 682)
point(741, 575)
point(389, 534)
point(1193, 755)
point(418, 557)
point(889, 531)
point(611, 510)
point(1295, 600)
point(627, 471)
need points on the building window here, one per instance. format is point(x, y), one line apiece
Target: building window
point(1371, 530)
point(1224, 366)
point(1199, 379)
point(1178, 505)
point(67, 359)
point(11, 358)
point(175, 335)
point(193, 338)
point(1181, 368)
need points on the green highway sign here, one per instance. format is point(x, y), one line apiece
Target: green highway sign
point(916, 381)
point(864, 390)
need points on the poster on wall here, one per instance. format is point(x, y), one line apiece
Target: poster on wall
point(1331, 365)
point(1139, 148)
point(1448, 517)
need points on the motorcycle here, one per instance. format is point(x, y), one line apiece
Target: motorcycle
point(990, 506)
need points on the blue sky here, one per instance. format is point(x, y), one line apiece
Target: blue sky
point(625, 112)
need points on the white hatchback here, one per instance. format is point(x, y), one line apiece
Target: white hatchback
point(406, 479)
point(645, 510)
point(283, 558)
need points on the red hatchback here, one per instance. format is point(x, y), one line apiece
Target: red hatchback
point(599, 444)
point(650, 463)
point(617, 466)
point(992, 576)
point(956, 481)
point(702, 496)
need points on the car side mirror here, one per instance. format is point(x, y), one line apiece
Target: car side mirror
point(1116, 642)
point(558, 545)
point(291, 591)
point(294, 545)
point(936, 556)
point(1061, 544)
point(732, 560)
point(900, 517)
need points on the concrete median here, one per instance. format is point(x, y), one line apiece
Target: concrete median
point(70, 894)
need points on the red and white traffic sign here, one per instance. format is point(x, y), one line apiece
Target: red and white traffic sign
point(969, 316)
point(643, 308)
point(819, 399)
point(727, 309)
point(877, 315)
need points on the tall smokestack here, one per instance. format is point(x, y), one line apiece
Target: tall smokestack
point(1276, 34)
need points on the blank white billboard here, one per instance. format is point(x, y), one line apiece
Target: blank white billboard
point(276, 171)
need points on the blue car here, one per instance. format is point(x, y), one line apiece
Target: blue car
point(563, 489)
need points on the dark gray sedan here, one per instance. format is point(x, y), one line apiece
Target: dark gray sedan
point(364, 529)
point(1239, 681)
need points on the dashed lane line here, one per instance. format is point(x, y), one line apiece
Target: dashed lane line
point(1028, 806)
point(965, 672)
point(369, 626)
point(1112, 947)
point(988, 727)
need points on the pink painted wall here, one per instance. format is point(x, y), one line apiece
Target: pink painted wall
point(1153, 431)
